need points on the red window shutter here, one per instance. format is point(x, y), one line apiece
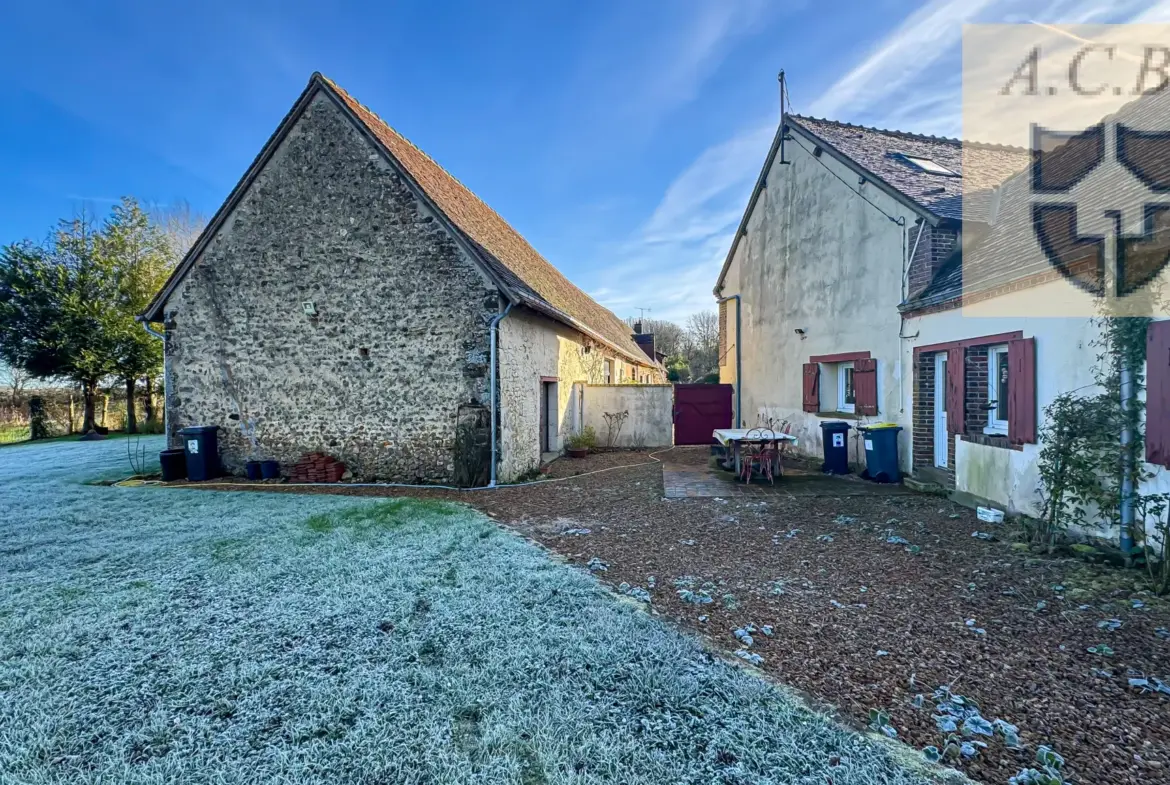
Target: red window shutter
point(812, 395)
point(865, 386)
point(1158, 393)
point(1022, 391)
point(956, 390)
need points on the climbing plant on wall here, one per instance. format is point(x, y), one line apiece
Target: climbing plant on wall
point(1093, 438)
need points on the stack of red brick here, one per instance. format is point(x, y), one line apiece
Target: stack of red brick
point(318, 467)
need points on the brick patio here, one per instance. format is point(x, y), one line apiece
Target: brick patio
point(694, 481)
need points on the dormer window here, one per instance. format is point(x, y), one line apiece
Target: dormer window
point(927, 165)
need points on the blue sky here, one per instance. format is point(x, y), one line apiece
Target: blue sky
point(621, 138)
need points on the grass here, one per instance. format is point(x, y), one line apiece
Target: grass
point(17, 435)
point(161, 635)
point(11, 434)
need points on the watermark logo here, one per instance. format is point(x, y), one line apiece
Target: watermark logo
point(1066, 168)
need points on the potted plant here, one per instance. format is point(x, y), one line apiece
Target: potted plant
point(580, 443)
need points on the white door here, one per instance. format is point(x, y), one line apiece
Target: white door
point(941, 437)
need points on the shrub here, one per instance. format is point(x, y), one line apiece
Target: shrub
point(586, 439)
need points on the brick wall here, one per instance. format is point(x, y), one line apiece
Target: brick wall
point(976, 399)
point(397, 350)
point(975, 390)
point(923, 426)
point(936, 245)
point(975, 417)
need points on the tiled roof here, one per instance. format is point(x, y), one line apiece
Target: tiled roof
point(880, 152)
point(504, 249)
point(1006, 251)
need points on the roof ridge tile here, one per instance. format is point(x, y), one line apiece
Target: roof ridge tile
point(910, 134)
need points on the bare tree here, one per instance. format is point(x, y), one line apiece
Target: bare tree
point(669, 338)
point(13, 381)
point(180, 224)
point(703, 335)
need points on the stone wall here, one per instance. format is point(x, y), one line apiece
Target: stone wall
point(649, 409)
point(395, 351)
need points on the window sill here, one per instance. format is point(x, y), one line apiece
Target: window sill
point(995, 430)
point(991, 440)
point(839, 415)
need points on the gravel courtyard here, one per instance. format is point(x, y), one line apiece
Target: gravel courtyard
point(151, 636)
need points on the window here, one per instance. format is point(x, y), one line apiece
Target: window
point(607, 372)
point(927, 165)
point(846, 395)
point(997, 390)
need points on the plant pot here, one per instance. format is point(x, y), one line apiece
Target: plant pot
point(270, 470)
point(252, 470)
point(577, 452)
point(173, 464)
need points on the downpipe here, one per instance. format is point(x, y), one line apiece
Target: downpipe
point(166, 382)
point(738, 358)
point(1125, 538)
point(492, 373)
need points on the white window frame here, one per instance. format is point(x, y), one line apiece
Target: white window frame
point(848, 408)
point(995, 427)
point(607, 371)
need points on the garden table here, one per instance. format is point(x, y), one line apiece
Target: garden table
point(736, 438)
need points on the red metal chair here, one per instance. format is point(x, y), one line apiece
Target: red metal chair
point(782, 445)
point(760, 455)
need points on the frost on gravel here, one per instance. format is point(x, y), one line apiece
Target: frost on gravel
point(159, 635)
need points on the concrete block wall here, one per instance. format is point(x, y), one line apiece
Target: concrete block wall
point(650, 422)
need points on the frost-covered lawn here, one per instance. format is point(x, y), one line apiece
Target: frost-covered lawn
point(157, 635)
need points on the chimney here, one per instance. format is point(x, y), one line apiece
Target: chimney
point(638, 328)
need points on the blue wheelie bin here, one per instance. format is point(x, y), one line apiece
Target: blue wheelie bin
point(881, 452)
point(835, 436)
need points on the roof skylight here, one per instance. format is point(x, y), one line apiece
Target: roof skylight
point(927, 165)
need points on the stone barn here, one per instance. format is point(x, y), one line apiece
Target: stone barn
point(353, 298)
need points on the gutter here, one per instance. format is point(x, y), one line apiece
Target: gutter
point(552, 311)
point(494, 362)
point(738, 358)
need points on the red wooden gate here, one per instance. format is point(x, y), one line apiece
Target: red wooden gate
point(699, 409)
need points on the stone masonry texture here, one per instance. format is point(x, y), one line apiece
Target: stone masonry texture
point(397, 345)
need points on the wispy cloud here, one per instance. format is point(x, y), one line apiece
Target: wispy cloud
point(629, 82)
point(672, 261)
point(691, 54)
point(911, 78)
point(899, 59)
